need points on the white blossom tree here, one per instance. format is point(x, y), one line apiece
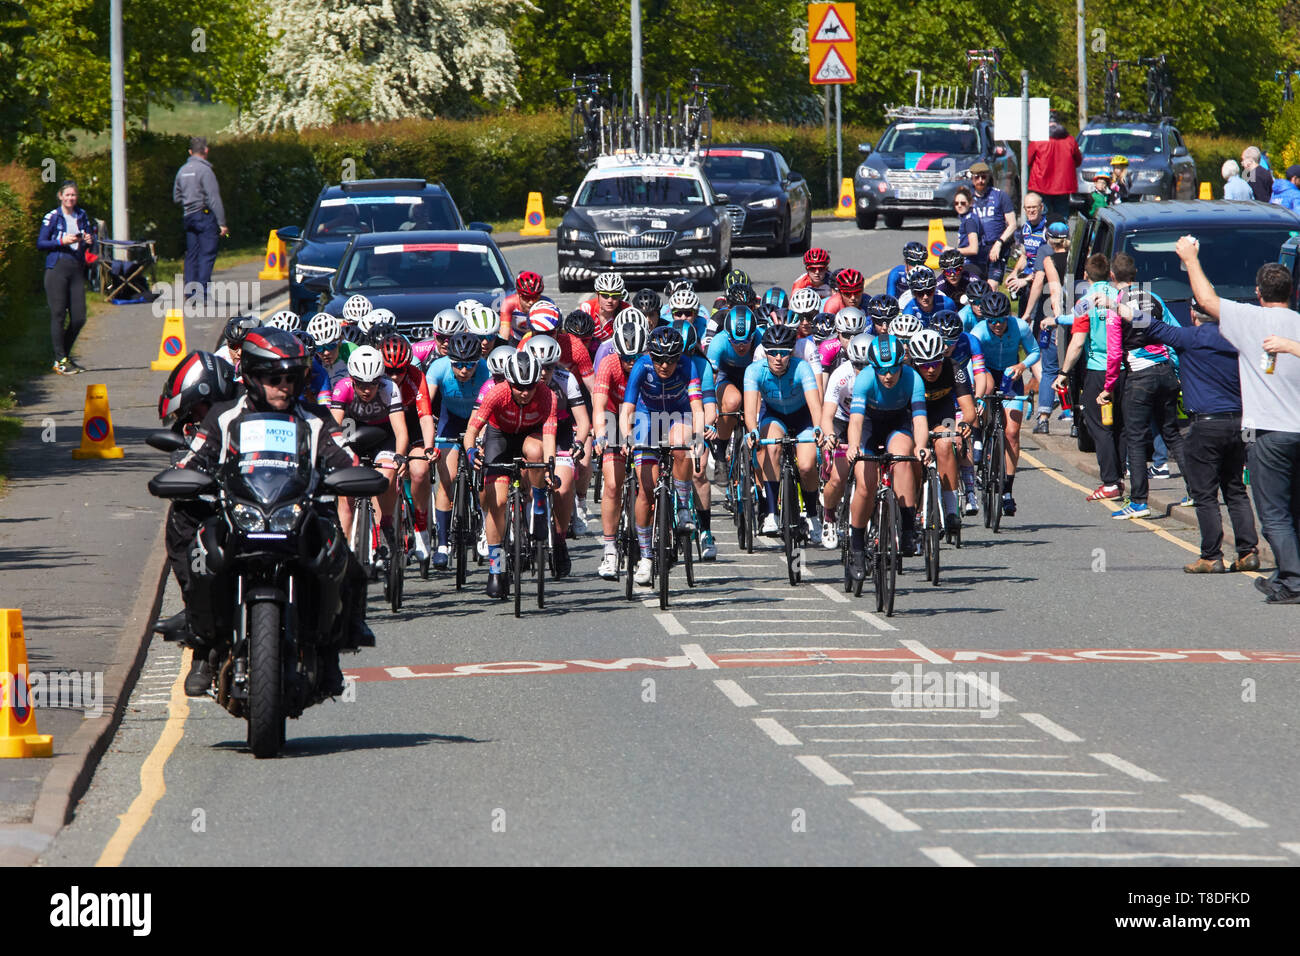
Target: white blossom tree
point(374, 60)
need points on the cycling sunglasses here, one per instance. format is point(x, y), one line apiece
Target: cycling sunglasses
point(779, 353)
point(685, 312)
point(929, 366)
point(891, 370)
point(608, 295)
point(463, 366)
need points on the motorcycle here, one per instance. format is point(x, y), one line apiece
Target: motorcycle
point(278, 559)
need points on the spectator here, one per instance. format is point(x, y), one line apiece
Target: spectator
point(66, 237)
point(997, 222)
point(1270, 405)
point(968, 229)
point(1032, 234)
point(1101, 194)
point(1256, 174)
point(1213, 452)
point(1052, 169)
point(195, 191)
point(1286, 192)
point(1234, 187)
point(1047, 270)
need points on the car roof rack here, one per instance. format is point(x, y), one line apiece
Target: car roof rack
point(375, 185)
point(925, 112)
point(668, 157)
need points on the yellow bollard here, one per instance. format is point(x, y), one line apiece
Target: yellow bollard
point(171, 349)
point(1205, 191)
point(18, 734)
point(534, 218)
point(277, 263)
point(844, 208)
point(97, 428)
point(935, 242)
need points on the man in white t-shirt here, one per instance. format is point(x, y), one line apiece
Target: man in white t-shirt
point(1270, 400)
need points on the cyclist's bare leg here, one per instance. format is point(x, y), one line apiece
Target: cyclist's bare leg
point(904, 478)
point(864, 494)
point(834, 486)
point(1013, 420)
point(611, 497)
point(806, 458)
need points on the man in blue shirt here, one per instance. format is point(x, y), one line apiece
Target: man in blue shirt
point(997, 221)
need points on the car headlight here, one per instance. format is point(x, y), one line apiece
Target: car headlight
point(699, 232)
point(248, 518)
point(868, 172)
point(769, 203)
point(1148, 176)
point(283, 520)
point(302, 273)
point(578, 235)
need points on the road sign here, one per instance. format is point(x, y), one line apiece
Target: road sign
point(833, 68)
point(832, 43)
point(832, 28)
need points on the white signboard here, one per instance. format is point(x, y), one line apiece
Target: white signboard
point(1006, 117)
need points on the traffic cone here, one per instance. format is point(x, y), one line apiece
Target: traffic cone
point(935, 242)
point(97, 432)
point(171, 349)
point(1205, 192)
point(277, 265)
point(18, 735)
point(844, 208)
point(534, 218)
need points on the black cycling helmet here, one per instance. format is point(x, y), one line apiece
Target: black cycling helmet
point(779, 337)
point(647, 300)
point(676, 285)
point(921, 279)
point(266, 351)
point(666, 343)
point(741, 293)
point(352, 333)
point(580, 323)
point(238, 327)
point(914, 253)
point(824, 326)
point(380, 331)
point(306, 338)
point(736, 277)
point(948, 324)
point(200, 379)
point(740, 323)
point(976, 290)
point(883, 309)
point(951, 259)
point(995, 305)
point(465, 346)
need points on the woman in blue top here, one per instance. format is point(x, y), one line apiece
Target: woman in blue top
point(66, 236)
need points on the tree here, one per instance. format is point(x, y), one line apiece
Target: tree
point(375, 60)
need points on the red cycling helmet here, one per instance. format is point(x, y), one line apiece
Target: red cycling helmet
point(816, 257)
point(849, 280)
point(529, 284)
point(397, 353)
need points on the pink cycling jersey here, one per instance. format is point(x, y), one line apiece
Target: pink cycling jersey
point(374, 412)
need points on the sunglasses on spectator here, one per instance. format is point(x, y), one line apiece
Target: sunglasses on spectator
point(960, 204)
point(979, 175)
point(779, 353)
point(930, 366)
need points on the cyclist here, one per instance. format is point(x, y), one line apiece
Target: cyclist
point(830, 353)
point(904, 327)
point(630, 314)
point(517, 420)
point(516, 306)
point(955, 277)
point(970, 313)
point(730, 354)
point(661, 392)
point(418, 410)
point(318, 388)
point(776, 304)
point(327, 331)
point(456, 382)
point(887, 414)
point(285, 319)
point(849, 284)
point(926, 300)
point(583, 328)
point(786, 388)
point(835, 426)
point(233, 339)
point(1002, 342)
point(914, 255)
point(630, 340)
point(607, 303)
point(817, 265)
point(708, 395)
point(967, 353)
point(883, 309)
point(684, 304)
point(947, 390)
point(647, 302)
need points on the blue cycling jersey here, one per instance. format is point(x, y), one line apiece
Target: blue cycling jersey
point(968, 317)
point(782, 394)
point(458, 397)
point(701, 320)
point(896, 284)
point(319, 388)
point(1001, 352)
point(722, 353)
point(650, 393)
point(704, 372)
point(870, 396)
point(941, 302)
point(967, 349)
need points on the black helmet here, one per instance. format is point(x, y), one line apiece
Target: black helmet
point(741, 293)
point(306, 338)
point(779, 337)
point(976, 290)
point(465, 346)
point(271, 350)
point(948, 324)
point(921, 279)
point(737, 277)
point(352, 333)
point(580, 323)
point(951, 259)
point(200, 378)
point(995, 305)
point(883, 309)
point(666, 343)
point(647, 300)
point(238, 327)
point(914, 253)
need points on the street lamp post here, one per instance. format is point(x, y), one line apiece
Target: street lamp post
point(121, 225)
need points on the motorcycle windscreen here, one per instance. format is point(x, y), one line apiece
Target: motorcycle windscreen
point(271, 454)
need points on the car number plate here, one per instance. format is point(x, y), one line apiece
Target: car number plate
point(915, 193)
point(636, 255)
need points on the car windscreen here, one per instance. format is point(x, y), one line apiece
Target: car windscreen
point(737, 164)
point(345, 216)
point(930, 138)
point(423, 265)
point(642, 190)
point(1230, 256)
point(1121, 142)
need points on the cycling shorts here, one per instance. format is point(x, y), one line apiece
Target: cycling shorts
point(414, 434)
point(451, 425)
point(880, 427)
point(798, 423)
point(502, 448)
point(728, 375)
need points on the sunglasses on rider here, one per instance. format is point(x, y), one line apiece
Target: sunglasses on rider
point(463, 366)
point(685, 312)
point(664, 362)
point(608, 295)
point(929, 366)
point(779, 353)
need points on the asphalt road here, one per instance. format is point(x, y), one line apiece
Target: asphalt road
point(1129, 714)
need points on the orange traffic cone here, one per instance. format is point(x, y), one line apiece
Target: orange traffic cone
point(171, 349)
point(935, 242)
point(97, 430)
point(534, 218)
point(18, 735)
point(844, 208)
point(277, 264)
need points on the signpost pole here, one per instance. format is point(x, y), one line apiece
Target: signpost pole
point(1024, 139)
point(839, 134)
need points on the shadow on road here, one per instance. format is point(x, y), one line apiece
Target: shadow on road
point(319, 746)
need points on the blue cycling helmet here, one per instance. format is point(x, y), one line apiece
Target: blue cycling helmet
point(775, 298)
point(666, 343)
point(740, 323)
point(885, 353)
point(883, 309)
point(690, 338)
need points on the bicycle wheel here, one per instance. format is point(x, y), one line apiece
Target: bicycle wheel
point(517, 547)
point(705, 136)
point(663, 539)
point(788, 517)
point(686, 540)
point(890, 561)
point(936, 531)
point(997, 469)
point(749, 512)
point(539, 562)
point(460, 528)
point(880, 549)
point(629, 545)
point(397, 555)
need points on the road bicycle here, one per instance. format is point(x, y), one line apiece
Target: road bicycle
point(589, 121)
point(1110, 87)
point(794, 530)
point(671, 539)
point(992, 469)
point(987, 78)
point(466, 519)
point(884, 531)
point(695, 131)
point(523, 548)
point(627, 547)
point(1288, 93)
point(740, 494)
point(1157, 88)
point(930, 514)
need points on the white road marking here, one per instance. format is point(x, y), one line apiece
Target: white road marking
point(741, 650)
point(883, 813)
point(1293, 847)
point(909, 723)
point(985, 690)
point(926, 740)
point(1069, 807)
point(838, 597)
point(977, 770)
point(956, 790)
point(670, 623)
point(735, 693)
point(1123, 766)
point(1223, 857)
point(654, 602)
point(1053, 728)
point(823, 771)
point(790, 676)
point(799, 634)
point(768, 620)
point(859, 710)
point(1089, 831)
point(778, 733)
point(827, 693)
point(874, 621)
point(956, 756)
point(697, 656)
point(762, 610)
point(1231, 814)
point(945, 856)
point(923, 652)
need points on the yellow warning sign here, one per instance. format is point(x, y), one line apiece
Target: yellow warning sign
point(832, 43)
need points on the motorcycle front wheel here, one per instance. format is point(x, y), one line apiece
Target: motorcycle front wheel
point(265, 681)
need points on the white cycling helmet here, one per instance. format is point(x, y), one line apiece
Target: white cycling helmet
point(925, 346)
point(523, 370)
point(684, 299)
point(482, 321)
point(805, 302)
point(285, 319)
point(326, 329)
point(464, 305)
point(449, 322)
point(356, 308)
point(499, 358)
point(857, 349)
point(366, 364)
point(611, 283)
point(632, 314)
point(630, 338)
point(905, 325)
point(850, 321)
point(545, 349)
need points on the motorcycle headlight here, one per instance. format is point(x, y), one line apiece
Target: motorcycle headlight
point(769, 203)
point(699, 232)
point(578, 235)
point(868, 172)
point(1148, 176)
point(283, 520)
point(248, 518)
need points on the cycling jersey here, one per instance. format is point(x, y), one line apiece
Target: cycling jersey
point(425, 353)
point(611, 381)
point(458, 397)
point(1127, 345)
point(319, 387)
point(1093, 318)
point(650, 393)
point(605, 351)
point(968, 317)
point(700, 321)
point(414, 391)
point(1001, 352)
point(1032, 236)
point(870, 397)
point(968, 349)
point(728, 364)
point(514, 317)
point(782, 394)
point(708, 385)
point(804, 282)
point(374, 412)
point(836, 302)
point(941, 302)
point(839, 390)
point(805, 349)
point(941, 395)
point(604, 327)
point(500, 410)
point(954, 290)
point(896, 283)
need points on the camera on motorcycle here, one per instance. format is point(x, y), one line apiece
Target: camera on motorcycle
point(355, 482)
point(167, 440)
point(181, 483)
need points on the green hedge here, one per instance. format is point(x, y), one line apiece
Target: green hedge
point(1210, 152)
point(20, 260)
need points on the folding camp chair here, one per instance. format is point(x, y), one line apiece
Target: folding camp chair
point(130, 277)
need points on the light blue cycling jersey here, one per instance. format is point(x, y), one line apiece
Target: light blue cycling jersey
point(1002, 352)
point(458, 397)
point(870, 396)
point(968, 317)
point(704, 372)
point(722, 352)
point(784, 394)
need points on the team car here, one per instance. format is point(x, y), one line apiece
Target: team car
point(770, 205)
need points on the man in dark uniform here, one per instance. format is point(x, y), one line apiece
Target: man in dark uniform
point(196, 192)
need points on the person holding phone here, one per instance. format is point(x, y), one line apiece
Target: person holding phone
point(66, 236)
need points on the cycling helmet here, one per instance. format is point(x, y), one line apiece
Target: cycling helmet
point(666, 343)
point(740, 323)
point(690, 338)
point(396, 352)
point(948, 324)
point(201, 377)
point(905, 325)
point(523, 370)
point(849, 281)
point(450, 321)
point(779, 337)
point(544, 317)
point(736, 277)
point(684, 299)
point(544, 349)
point(610, 283)
point(775, 298)
point(306, 338)
point(857, 350)
point(325, 329)
point(995, 305)
point(357, 307)
point(882, 309)
point(497, 359)
point(951, 259)
point(914, 253)
point(676, 285)
point(1058, 230)
point(366, 364)
point(921, 279)
point(464, 347)
point(271, 350)
point(741, 293)
point(238, 327)
point(885, 353)
point(630, 339)
point(647, 300)
point(816, 257)
point(805, 302)
point(976, 290)
point(925, 346)
point(633, 314)
point(850, 321)
point(465, 305)
point(529, 284)
point(580, 323)
point(823, 326)
point(482, 321)
point(285, 319)
point(352, 333)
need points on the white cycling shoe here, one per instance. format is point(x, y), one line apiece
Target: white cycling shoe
point(972, 503)
point(609, 567)
point(830, 537)
point(770, 526)
point(815, 530)
point(644, 569)
point(579, 523)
